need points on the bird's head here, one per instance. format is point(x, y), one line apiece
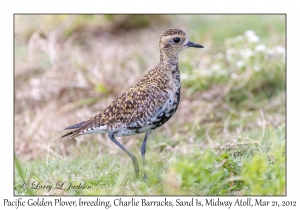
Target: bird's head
point(174, 40)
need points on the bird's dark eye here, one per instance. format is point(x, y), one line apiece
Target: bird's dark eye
point(176, 40)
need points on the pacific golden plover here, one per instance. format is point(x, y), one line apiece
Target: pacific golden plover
point(148, 104)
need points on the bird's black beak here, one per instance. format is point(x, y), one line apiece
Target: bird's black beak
point(192, 44)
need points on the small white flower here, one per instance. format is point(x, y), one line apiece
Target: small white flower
point(260, 48)
point(279, 49)
point(216, 67)
point(253, 39)
point(271, 52)
point(240, 63)
point(249, 33)
point(251, 36)
point(246, 53)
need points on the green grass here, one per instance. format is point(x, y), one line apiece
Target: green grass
point(242, 167)
point(226, 138)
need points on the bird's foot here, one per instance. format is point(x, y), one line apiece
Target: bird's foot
point(145, 177)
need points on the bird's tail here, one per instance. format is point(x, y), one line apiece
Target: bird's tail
point(75, 132)
point(78, 125)
point(68, 134)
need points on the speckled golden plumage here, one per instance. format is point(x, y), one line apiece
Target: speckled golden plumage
point(148, 104)
point(134, 105)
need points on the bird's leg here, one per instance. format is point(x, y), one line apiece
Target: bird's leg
point(133, 158)
point(143, 152)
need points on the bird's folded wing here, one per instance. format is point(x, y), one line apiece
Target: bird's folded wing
point(136, 107)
